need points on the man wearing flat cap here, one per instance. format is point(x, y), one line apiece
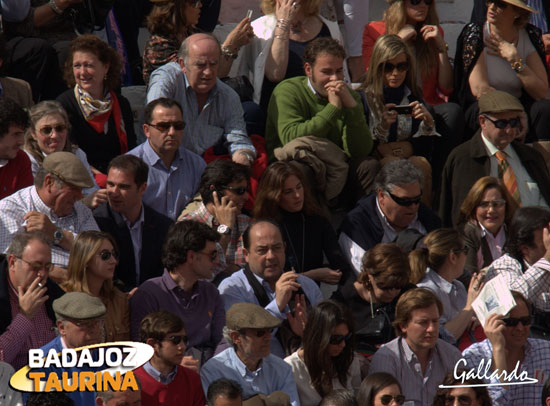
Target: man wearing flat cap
point(79, 320)
point(248, 361)
point(51, 206)
point(493, 151)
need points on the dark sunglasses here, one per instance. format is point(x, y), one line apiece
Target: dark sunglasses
point(106, 255)
point(338, 338)
point(405, 201)
point(387, 399)
point(463, 400)
point(495, 204)
point(177, 339)
point(502, 124)
point(165, 125)
point(401, 67)
point(241, 190)
point(38, 266)
point(513, 321)
point(417, 2)
point(259, 333)
point(499, 3)
point(47, 129)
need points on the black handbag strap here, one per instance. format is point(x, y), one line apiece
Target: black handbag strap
point(257, 287)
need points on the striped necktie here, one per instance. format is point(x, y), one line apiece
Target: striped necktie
point(506, 173)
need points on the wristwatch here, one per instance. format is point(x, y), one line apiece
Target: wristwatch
point(518, 65)
point(223, 229)
point(57, 236)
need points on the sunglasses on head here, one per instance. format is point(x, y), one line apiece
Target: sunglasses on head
point(401, 67)
point(498, 3)
point(241, 190)
point(106, 255)
point(495, 204)
point(258, 332)
point(165, 125)
point(513, 321)
point(387, 399)
point(47, 129)
point(502, 124)
point(405, 201)
point(463, 400)
point(338, 338)
point(417, 2)
point(176, 339)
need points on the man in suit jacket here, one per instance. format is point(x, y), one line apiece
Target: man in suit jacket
point(138, 229)
point(499, 114)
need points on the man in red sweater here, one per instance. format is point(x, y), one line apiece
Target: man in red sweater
point(15, 166)
point(163, 380)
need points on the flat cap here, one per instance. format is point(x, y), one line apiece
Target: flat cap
point(249, 315)
point(67, 167)
point(78, 306)
point(497, 101)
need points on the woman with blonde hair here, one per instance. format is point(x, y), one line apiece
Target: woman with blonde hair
point(437, 268)
point(284, 196)
point(484, 217)
point(391, 82)
point(92, 262)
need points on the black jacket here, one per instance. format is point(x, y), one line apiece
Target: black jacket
point(155, 228)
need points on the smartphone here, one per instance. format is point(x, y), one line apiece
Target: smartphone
point(403, 109)
point(218, 192)
point(249, 14)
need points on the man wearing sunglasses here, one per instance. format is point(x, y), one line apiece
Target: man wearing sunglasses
point(26, 295)
point(174, 171)
point(493, 151)
point(249, 361)
point(393, 208)
point(506, 347)
point(163, 380)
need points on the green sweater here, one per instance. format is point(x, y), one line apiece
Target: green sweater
point(295, 111)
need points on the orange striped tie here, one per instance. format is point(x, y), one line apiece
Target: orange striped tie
point(506, 173)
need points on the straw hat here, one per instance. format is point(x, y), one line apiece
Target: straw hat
point(521, 4)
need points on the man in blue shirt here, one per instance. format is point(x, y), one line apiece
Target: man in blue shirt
point(174, 171)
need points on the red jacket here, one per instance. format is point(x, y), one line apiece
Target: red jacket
point(16, 174)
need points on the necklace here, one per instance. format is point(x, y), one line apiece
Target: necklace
point(303, 242)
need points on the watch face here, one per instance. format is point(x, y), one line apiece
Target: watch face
point(223, 229)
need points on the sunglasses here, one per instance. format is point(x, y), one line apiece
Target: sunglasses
point(196, 3)
point(513, 321)
point(387, 399)
point(417, 2)
point(241, 190)
point(176, 339)
point(401, 67)
point(106, 255)
point(338, 338)
point(502, 124)
point(495, 204)
point(47, 130)
point(38, 266)
point(405, 201)
point(211, 255)
point(499, 3)
point(463, 400)
point(258, 332)
point(164, 126)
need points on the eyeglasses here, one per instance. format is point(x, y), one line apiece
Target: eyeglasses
point(164, 126)
point(47, 130)
point(405, 201)
point(461, 250)
point(338, 338)
point(401, 67)
point(38, 266)
point(106, 255)
point(502, 124)
point(176, 339)
point(241, 190)
point(196, 3)
point(499, 3)
point(211, 255)
point(463, 400)
point(495, 204)
point(259, 332)
point(387, 399)
point(514, 321)
point(417, 2)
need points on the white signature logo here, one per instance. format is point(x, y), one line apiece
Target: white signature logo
point(483, 372)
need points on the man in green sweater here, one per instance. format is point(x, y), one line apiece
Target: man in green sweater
point(322, 105)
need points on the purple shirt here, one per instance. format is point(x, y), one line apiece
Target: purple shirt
point(201, 310)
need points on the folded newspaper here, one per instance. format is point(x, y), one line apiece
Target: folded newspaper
point(495, 297)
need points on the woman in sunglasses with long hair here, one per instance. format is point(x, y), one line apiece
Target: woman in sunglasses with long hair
point(512, 51)
point(380, 389)
point(92, 262)
point(327, 360)
point(391, 82)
